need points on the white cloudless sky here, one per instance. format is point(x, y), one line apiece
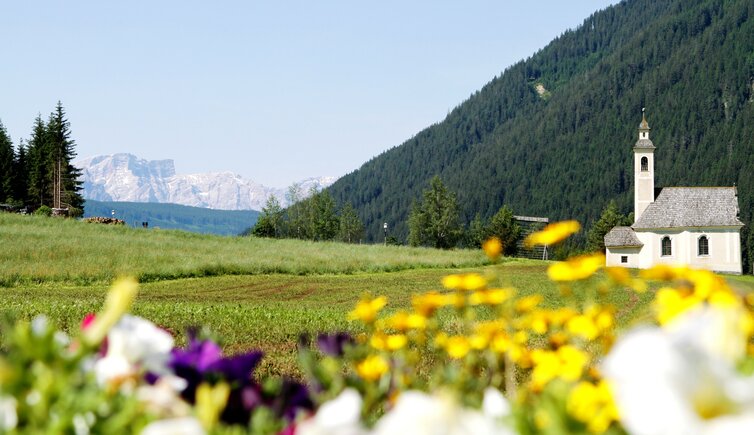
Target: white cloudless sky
point(275, 91)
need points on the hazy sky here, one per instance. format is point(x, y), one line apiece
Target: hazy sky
point(275, 91)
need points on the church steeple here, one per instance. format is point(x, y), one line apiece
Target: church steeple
point(644, 169)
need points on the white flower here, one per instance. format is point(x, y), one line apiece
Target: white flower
point(8, 415)
point(134, 344)
point(174, 426)
point(682, 379)
point(420, 413)
point(340, 416)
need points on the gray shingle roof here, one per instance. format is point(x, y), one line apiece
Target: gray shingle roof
point(691, 207)
point(644, 143)
point(622, 237)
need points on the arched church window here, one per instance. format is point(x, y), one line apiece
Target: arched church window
point(644, 164)
point(703, 246)
point(667, 246)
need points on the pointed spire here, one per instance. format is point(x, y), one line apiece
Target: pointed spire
point(644, 124)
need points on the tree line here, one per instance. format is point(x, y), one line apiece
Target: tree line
point(38, 173)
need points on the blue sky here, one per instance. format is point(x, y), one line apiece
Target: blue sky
point(273, 91)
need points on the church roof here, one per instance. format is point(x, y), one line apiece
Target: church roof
point(691, 207)
point(644, 143)
point(622, 237)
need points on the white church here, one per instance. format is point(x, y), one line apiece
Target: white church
point(696, 226)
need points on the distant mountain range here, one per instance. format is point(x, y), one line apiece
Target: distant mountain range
point(125, 177)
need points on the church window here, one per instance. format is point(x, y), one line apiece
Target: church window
point(624, 259)
point(703, 246)
point(644, 164)
point(667, 247)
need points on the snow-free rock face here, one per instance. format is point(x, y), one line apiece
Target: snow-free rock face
point(125, 177)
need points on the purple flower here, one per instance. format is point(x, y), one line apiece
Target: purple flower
point(333, 344)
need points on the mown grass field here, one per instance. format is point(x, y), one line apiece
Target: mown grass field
point(278, 290)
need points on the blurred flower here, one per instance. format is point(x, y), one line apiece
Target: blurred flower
point(493, 247)
point(427, 303)
point(119, 300)
point(576, 268)
point(135, 345)
point(389, 342)
point(210, 402)
point(567, 363)
point(174, 426)
point(366, 309)
point(552, 233)
point(682, 378)
point(8, 415)
point(340, 416)
point(372, 368)
point(593, 404)
point(419, 413)
point(333, 344)
point(403, 321)
point(491, 296)
point(457, 346)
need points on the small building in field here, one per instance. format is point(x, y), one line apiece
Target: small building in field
point(697, 226)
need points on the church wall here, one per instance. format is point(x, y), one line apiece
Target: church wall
point(724, 248)
point(613, 257)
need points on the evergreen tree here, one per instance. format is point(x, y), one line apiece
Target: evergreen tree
point(504, 226)
point(351, 228)
point(270, 221)
point(39, 162)
point(62, 148)
point(21, 175)
point(296, 219)
point(6, 166)
point(434, 221)
point(324, 223)
point(477, 233)
point(610, 218)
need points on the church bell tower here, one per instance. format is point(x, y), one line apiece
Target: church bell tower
point(644, 169)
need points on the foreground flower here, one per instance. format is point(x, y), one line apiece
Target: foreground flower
point(134, 346)
point(493, 248)
point(576, 268)
point(366, 309)
point(340, 416)
point(553, 233)
point(682, 379)
point(419, 413)
point(182, 426)
point(119, 300)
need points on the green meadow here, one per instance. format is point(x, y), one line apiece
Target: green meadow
point(247, 292)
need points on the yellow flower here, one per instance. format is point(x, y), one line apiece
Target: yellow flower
point(593, 405)
point(567, 363)
point(576, 268)
point(583, 326)
point(457, 346)
point(403, 321)
point(372, 368)
point(493, 248)
point(366, 309)
point(468, 281)
point(389, 342)
point(553, 233)
point(490, 297)
point(428, 303)
point(119, 300)
point(669, 303)
point(210, 402)
point(620, 275)
point(528, 303)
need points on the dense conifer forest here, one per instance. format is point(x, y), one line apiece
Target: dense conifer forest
point(39, 173)
point(553, 134)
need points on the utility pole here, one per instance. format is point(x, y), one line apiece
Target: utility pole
point(384, 226)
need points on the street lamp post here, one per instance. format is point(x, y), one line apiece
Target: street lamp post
point(384, 226)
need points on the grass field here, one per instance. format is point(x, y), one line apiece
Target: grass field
point(264, 293)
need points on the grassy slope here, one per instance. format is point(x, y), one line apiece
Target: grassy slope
point(38, 249)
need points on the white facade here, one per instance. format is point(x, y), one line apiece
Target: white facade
point(698, 227)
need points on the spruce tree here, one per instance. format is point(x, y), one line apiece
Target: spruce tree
point(6, 166)
point(610, 218)
point(504, 226)
point(21, 175)
point(62, 148)
point(39, 162)
point(435, 221)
